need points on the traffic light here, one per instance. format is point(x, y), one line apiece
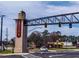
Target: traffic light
point(59, 24)
point(70, 25)
point(45, 25)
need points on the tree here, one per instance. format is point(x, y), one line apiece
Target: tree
point(55, 36)
point(12, 42)
point(64, 38)
point(45, 32)
point(45, 37)
point(36, 38)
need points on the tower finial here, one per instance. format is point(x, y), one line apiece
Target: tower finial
point(22, 15)
point(22, 11)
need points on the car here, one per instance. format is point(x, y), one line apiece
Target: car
point(43, 49)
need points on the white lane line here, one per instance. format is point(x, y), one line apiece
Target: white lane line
point(56, 55)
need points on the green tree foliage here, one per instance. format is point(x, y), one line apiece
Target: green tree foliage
point(45, 33)
point(55, 36)
point(36, 38)
point(45, 37)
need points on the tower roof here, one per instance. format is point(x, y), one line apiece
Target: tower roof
point(22, 11)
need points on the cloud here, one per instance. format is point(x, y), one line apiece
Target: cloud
point(62, 9)
point(35, 10)
point(11, 10)
point(74, 2)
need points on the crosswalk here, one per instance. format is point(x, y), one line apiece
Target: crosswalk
point(33, 56)
point(30, 56)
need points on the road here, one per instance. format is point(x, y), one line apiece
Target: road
point(12, 56)
point(58, 55)
point(46, 55)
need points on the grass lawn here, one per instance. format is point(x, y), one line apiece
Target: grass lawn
point(6, 52)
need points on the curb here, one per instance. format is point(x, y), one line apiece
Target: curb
point(75, 50)
point(14, 54)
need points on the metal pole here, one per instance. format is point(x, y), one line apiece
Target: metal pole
point(6, 34)
point(1, 31)
point(6, 38)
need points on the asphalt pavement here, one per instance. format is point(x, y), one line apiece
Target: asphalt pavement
point(58, 54)
point(66, 54)
point(12, 56)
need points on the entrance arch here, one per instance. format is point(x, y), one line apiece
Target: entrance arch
point(22, 24)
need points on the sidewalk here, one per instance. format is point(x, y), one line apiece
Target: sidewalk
point(24, 55)
point(64, 50)
point(14, 54)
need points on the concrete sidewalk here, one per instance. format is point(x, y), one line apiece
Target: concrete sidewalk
point(64, 50)
point(24, 55)
point(14, 54)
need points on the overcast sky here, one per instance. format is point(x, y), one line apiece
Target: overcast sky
point(36, 10)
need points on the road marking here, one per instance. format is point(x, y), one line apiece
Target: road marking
point(30, 56)
point(56, 55)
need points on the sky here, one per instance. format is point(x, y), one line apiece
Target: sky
point(36, 9)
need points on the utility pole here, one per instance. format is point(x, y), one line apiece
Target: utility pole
point(6, 34)
point(6, 38)
point(2, 16)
